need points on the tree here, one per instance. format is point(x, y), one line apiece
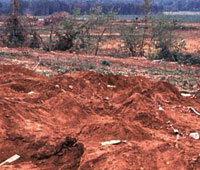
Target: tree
point(78, 35)
point(15, 7)
point(15, 33)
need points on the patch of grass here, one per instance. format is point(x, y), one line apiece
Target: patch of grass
point(88, 67)
point(27, 54)
point(62, 70)
point(105, 71)
point(105, 63)
point(9, 55)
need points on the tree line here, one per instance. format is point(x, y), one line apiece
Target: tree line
point(47, 7)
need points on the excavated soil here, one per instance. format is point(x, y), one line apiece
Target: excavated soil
point(59, 123)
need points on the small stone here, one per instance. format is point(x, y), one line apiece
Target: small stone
point(186, 95)
point(195, 135)
point(57, 86)
point(70, 86)
point(7, 115)
point(160, 108)
point(176, 131)
point(111, 86)
point(31, 92)
point(107, 98)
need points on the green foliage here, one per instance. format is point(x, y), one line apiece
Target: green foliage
point(132, 37)
point(105, 71)
point(105, 63)
point(78, 34)
point(62, 70)
point(146, 6)
point(15, 33)
point(135, 36)
point(164, 44)
point(88, 66)
point(9, 55)
point(76, 12)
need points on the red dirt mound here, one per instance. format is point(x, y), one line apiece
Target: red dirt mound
point(60, 122)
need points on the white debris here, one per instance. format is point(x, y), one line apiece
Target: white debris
point(192, 109)
point(195, 135)
point(31, 92)
point(107, 98)
point(111, 86)
point(11, 159)
point(186, 94)
point(57, 86)
point(112, 142)
point(160, 108)
point(176, 131)
point(71, 87)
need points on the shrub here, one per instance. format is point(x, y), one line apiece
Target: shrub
point(164, 44)
point(77, 35)
point(132, 38)
point(105, 63)
point(15, 34)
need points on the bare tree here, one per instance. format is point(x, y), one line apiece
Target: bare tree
point(15, 33)
point(146, 7)
point(15, 7)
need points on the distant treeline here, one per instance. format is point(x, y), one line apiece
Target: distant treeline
point(46, 7)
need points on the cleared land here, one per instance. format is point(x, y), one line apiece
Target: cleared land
point(57, 107)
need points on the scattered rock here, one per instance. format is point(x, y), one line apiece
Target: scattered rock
point(111, 86)
point(160, 108)
point(70, 86)
point(57, 86)
point(176, 131)
point(186, 95)
point(195, 135)
point(10, 160)
point(113, 142)
point(31, 92)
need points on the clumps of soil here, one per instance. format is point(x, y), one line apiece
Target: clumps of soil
point(66, 154)
point(61, 124)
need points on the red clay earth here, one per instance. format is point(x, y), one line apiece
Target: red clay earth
point(184, 77)
point(60, 126)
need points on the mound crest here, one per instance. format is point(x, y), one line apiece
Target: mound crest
point(51, 122)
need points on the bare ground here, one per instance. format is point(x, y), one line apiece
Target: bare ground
point(62, 122)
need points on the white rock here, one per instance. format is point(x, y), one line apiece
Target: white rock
point(112, 142)
point(31, 92)
point(186, 94)
point(176, 131)
point(160, 108)
point(195, 135)
point(71, 87)
point(111, 86)
point(11, 159)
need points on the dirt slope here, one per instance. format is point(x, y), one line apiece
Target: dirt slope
point(59, 123)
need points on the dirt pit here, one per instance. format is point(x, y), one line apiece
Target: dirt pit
point(59, 123)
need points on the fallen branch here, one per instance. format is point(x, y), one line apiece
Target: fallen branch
point(37, 64)
point(98, 41)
